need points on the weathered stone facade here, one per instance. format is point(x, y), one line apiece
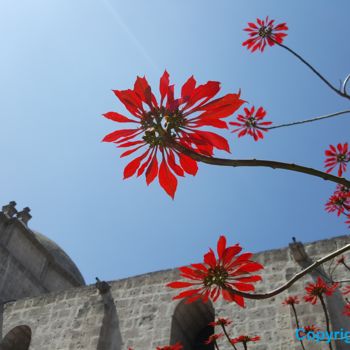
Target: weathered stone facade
point(138, 312)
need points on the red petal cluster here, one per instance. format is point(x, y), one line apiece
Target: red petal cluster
point(339, 155)
point(213, 338)
point(346, 290)
point(177, 346)
point(245, 339)
point(291, 300)
point(346, 310)
point(158, 126)
point(308, 329)
point(221, 322)
point(339, 202)
point(251, 123)
point(316, 290)
point(264, 32)
point(222, 275)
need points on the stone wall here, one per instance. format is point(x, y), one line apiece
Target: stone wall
point(138, 312)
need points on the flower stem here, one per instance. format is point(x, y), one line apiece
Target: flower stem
point(297, 322)
point(327, 319)
point(245, 346)
point(260, 163)
point(339, 92)
point(309, 120)
point(227, 336)
point(216, 345)
point(346, 266)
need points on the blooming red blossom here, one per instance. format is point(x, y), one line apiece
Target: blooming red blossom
point(346, 310)
point(158, 126)
point(337, 155)
point(177, 346)
point(222, 275)
point(213, 338)
point(339, 202)
point(264, 32)
point(245, 339)
point(251, 123)
point(346, 290)
point(308, 329)
point(316, 290)
point(291, 300)
point(221, 322)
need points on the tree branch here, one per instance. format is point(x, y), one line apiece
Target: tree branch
point(293, 279)
point(260, 163)
point(309, 120)
point(339, 92)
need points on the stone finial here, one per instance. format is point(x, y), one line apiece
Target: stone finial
point(10, 209)
point(298, 251)
point(102, 286)
point(24, 215)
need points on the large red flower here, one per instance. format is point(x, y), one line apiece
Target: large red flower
point(264, 32)
point(158, 126)
point(337, 155)
point(339, 202)
point(316, 290)
point(222, 275)
point(251, 123)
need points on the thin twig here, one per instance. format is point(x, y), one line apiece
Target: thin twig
point(260, 163)
point(309, 120)
point(344, 84)
point(295, 278)
point(327, 319)
point(339, 92)
point(297, 322)
point(227, 336)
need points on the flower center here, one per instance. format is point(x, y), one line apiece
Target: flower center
point(341, 158)
point(265, 31)
point(251, 122)
point(217, 276)
point(161, 125)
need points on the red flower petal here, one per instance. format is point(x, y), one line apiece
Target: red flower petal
point(167, 180)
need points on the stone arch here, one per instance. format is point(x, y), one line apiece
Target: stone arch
point(189, 325)
point(17, 338)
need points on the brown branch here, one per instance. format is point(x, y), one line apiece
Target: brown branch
point(293, 279)
point(260, 163)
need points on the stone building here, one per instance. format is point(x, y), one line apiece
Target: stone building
point(45, 304)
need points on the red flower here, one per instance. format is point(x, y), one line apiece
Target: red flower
point(346, 310)
point(338, 202)
point(291, 300)
point(251, 124)
point(316, 290)
point(308, 329)
point(339, 155)
point(177, 346)
point(213, 338)
point(222, 275)
point(245, 339)
point(341, 260)
point(158, 126)
point(346, 290)
point(264, 32)
point(221, 322)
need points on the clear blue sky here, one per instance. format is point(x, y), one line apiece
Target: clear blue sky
point(59, 61)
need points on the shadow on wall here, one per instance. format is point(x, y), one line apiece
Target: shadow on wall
point(17, 339)
point(190, 325)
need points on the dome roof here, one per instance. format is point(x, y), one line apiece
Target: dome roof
point(60, 257)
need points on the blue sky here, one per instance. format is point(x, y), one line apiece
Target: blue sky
point(61, 59)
